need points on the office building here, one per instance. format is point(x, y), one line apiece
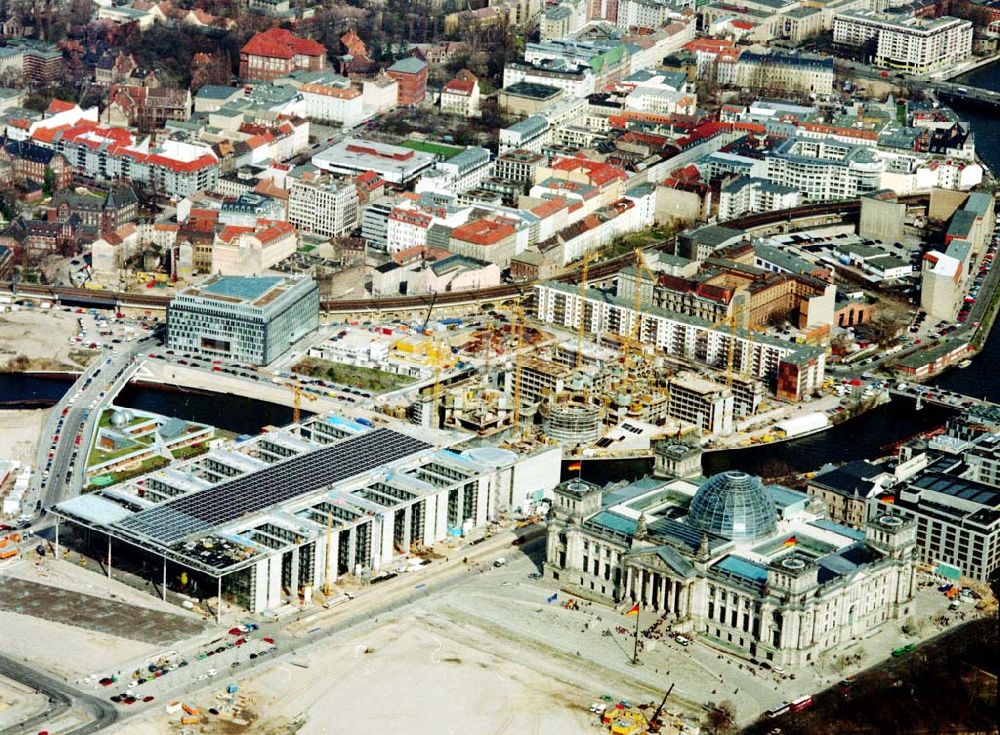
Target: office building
point(323, 205)
point(784, 72)
point(754, 569)
point(255, 524)
point(246, 320)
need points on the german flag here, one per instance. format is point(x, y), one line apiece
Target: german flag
point(790, 541)
point(634, 610)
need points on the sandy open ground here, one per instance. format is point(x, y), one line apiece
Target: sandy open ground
point(18, 702)
point(41, 335)
point(20, 432)
point(404, 677)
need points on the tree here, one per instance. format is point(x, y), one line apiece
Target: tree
point(48, 182)
point(722, 719)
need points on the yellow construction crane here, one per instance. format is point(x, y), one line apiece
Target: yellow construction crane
point(731, 320)
point(633, 342)
point(297, 395)
point(582, 324)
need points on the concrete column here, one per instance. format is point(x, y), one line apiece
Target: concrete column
point(685, 595)
point(273, 582)
point(293, 582)
point(407, 525)
point(482, 502)
point(428, 507)
point(442, 514)
point(352, 549)
point(651, 591)
point(388, 536)
point(664, 586)
point(628, 584)
point(333, 558)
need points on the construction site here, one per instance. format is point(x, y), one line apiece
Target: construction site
point(551, 368)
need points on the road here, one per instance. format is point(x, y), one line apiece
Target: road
point(76, 415)
point(311, 626)
point(61, 697)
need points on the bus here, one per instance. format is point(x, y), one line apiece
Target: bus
point(779, 710)
point(801, 703)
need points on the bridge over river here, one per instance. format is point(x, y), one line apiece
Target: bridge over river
point(987, 411)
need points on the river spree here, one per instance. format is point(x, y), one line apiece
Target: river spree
point(864, 437)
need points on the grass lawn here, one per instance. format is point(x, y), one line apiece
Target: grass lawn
point(192, 450)
point(369, 379)
point(148, 465)
point(438, 149)
point(98, 455)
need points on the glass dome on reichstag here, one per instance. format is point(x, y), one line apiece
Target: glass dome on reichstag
point(734, 505)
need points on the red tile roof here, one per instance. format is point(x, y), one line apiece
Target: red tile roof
point(57, 106)
point(231, 231)
point(483, 232)
point(279, 43)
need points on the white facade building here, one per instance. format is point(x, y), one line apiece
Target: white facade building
point(323, 205)
point(910, 44)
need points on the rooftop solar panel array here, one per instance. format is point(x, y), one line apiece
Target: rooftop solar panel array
point(227, 501)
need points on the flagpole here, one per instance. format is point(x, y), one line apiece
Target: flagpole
point(635, 651)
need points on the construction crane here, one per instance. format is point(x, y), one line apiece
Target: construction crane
point(654, 722)
point(633, 341)
point(430, 308)
point(582, 325)
point(731, 320)
point(297, 395)
point(516, 393)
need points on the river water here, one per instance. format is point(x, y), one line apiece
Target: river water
point(863, 437)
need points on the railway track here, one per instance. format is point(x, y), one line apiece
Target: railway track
point(498, 293)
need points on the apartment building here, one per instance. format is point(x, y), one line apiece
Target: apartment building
point(801, 73)
point(249, 251)
point(646, 13)
point(460, 96)
point(750, 195)
point(824, 169)
point(910, 44)
point(790, 370)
